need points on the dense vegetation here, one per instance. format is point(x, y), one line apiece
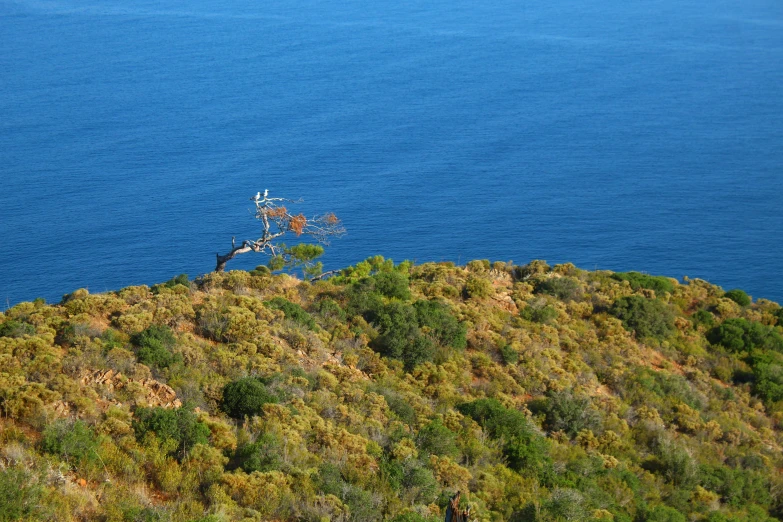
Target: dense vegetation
point(542, 393)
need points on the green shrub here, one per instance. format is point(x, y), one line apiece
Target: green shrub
point(646, 317)
point(154, 346)
point(564, 288)
point(419, 350)
point(262, 455)
point(565, 504)
point(329, 309)
point(767, 376)
point(676, 464)
point(638, 280)
point(525, 450)
point(778, 316)
point(738, 296)
point(539, 312)
point(399, 405)
point(14, 328)
point(261, 271)
point(442, 325)
point(392, 472)
point(642, 382)
point(329, 480)
point(19, 495)
point(738, 488)
point(703, 318)
point(568, 413)
point(420, 482)
point(181, 279)
point(362, 299)
point(393, 285)
point(528, 454)
point(74, 442)
point(112, 339)
point(662, 514)
point(478, 287)
point(509, 354)
point(409, 517)
point(437, 439)
point(361, 505)
point(741, 335)
point(366, 268)
point(180, 425)
point(246, 397)
point(496, 419)
point(293, 312)
point(400, 337)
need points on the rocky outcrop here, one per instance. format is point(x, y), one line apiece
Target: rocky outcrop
point(146, 392)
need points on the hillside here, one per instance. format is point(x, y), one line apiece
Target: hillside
point(541, 393)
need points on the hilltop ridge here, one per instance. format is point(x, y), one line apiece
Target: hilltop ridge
point(541, 393)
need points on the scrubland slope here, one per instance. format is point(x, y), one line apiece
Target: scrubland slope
point(543, 394)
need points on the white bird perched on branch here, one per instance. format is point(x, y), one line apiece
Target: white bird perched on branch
point(257, 196)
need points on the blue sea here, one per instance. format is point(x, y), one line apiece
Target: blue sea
point(612, 134)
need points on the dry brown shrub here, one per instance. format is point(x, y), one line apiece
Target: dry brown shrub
point(297, 224)
point(277, 212)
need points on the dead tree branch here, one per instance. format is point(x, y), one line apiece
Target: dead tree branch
point(276, 222)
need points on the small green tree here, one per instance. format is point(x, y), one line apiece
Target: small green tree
point(245, 396)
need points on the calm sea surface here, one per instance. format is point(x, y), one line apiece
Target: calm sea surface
point(619, 135)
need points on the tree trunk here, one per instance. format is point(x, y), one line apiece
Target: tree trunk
point(244, 247)
point(221, 262)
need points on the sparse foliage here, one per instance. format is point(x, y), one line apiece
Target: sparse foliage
point(276, 222)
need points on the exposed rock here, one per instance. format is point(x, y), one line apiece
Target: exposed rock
point(108, 382)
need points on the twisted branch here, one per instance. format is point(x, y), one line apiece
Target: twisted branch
point(276, 222)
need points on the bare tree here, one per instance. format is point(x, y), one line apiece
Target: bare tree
point(277, 221)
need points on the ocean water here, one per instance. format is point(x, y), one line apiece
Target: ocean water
point(616, 135)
